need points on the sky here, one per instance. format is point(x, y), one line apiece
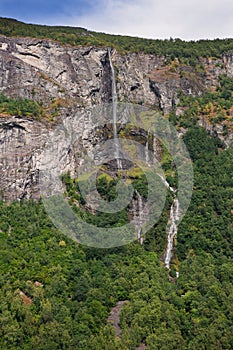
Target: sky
point(185, 19)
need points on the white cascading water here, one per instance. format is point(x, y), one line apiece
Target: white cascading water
point(166, 183)
point(137, 209)
point(114, 106)
point(172, 229)
point(172, 226)
point(147, 149)
point(138, 217)
point(155, 153)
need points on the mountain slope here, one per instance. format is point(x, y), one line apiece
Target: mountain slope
point(80, 36)
point(44, 80)
point(57, 294)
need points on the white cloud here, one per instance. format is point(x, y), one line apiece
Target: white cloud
point(186, 19)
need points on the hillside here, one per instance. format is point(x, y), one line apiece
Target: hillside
point(42, 82)
point(169, 292)
point(175, 47)
point(79, 285)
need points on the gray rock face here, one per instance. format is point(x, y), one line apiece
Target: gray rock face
point(219, 130)
point(21, 141)
point(228, 64)
point(45, 70)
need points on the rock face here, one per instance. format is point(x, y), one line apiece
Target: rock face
point(219, 130)
point(148, 80)
point(45, 70)
point(114, 317)
point(21, 141)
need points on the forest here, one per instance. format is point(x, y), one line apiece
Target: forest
point(57, 294)
point(69, 289)
point(186, 51)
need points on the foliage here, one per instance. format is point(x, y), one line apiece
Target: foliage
point(69, 289)
point(215, 106)
point(79, 285)
point(187, 52)
point(31, 108)
point(20, 107)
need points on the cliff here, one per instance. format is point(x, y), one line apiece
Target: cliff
point(80, 77)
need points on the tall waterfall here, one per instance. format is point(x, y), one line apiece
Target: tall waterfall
point(138, 212)
point(172, 226)
point(114, 107)
point(172, 229)
point(166, 183)
point(138, 216)
point(140, 219)
point(155, 153)
point(147, 149)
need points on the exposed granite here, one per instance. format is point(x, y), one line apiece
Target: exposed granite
point(44, 70)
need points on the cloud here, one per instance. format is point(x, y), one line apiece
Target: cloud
point(191, 19)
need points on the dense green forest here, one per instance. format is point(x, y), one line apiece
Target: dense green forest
point(57, 294)
point(173, 47)
point(77, 287)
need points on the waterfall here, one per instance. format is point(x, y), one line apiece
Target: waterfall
point(147, 149)
point(114, 107)
point(138, 212)
point(155, 153)
point(172, 229)
point(174, 216)
point(166, 183)
point(138, 216)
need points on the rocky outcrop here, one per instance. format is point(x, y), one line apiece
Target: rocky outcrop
point(114, 317)
point(149, 80)
point(45, 70)
point(21, 141)
point(218, 130)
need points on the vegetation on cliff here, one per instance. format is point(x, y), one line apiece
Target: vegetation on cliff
point(20, 107)
point(188, 51)
point(214, 106)
point(57, 294)
point(70, 288)
point(25, 107)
